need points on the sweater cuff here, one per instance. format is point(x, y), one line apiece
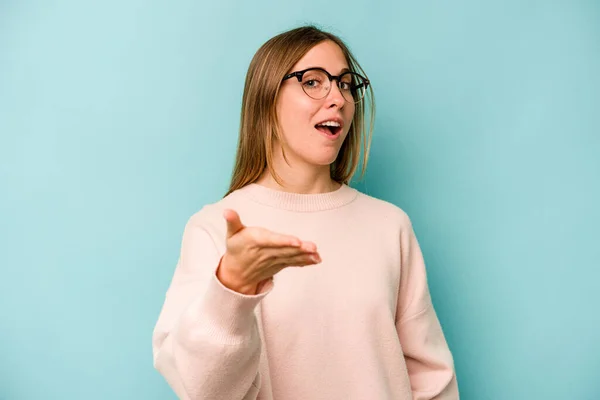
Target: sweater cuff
point(230, 314)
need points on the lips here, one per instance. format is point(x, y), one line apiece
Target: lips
point(331, 126)
point(329, 130)
point(329, 134)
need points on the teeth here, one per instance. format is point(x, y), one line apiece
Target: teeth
point(329, 123)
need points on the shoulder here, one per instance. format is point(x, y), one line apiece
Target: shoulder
point(210, 216)
point(383, 210)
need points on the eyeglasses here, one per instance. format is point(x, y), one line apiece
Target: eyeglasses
point(316, 83)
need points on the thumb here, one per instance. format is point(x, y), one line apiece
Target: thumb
point(234, 224)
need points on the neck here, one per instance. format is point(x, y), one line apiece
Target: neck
point(298, 183)
point(307, 180)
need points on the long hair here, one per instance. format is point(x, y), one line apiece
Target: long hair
point(259, 126)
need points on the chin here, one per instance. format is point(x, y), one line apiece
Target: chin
point(324, 157)
point(321, 162)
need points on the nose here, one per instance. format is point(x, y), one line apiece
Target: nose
point(335, 97)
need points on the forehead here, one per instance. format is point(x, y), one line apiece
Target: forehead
point(326, 55)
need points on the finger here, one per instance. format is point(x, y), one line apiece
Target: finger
point(299, 261)
point(309, 247)
point(277, 253)
point(234, 224)
point(277, 240)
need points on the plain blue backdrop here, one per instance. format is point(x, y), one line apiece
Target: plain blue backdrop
point(119, 120)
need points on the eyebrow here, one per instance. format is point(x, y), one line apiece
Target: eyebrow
point(341, 72)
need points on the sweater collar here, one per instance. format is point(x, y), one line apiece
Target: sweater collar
point(300, 202)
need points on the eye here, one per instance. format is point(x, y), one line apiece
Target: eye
point(345, 85)
point(312, 83)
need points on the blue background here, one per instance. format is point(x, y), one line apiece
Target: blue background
point(119, 119)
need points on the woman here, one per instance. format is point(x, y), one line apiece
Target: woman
point(296, 286)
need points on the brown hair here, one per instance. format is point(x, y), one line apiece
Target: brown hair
point(259, 124)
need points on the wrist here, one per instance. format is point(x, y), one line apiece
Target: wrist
point(231, 281)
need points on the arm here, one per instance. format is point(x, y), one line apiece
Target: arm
point(428, 359)
point(206, 342)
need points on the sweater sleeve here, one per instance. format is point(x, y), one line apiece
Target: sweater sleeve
point(206, 341)
point(428, 359)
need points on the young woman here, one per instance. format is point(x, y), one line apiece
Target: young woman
point(294, 285)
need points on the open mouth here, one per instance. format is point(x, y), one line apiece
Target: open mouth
point(329, 129)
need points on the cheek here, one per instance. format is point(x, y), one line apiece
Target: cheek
point(349, 116)
point(295, 115)
point(351, 108)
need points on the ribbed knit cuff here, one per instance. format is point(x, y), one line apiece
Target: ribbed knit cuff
point(230, 315)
